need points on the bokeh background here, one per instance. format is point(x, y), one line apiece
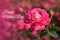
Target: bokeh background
point(11, 11)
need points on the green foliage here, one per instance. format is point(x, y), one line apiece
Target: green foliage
point(53, 34)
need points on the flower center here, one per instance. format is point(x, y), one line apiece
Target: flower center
point(37, 15)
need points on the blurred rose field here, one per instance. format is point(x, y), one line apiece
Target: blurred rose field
point(29, 19)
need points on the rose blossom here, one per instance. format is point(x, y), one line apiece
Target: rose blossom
point(38, 18)
point(38, 15)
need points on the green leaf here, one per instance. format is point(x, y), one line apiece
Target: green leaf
point(57, 28)
point(53, 34)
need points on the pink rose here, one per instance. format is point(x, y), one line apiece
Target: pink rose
point(38, 15)
point(38, 18)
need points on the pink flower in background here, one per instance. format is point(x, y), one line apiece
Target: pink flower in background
point(56, 14)
point(22, 4)
point(49, 3)
point(21, 9)
point(20, 24)
point(46, 5)
point(11, 6)
point(29, 6)
point(52, 3)
point(6, 4)
point(13, 26)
